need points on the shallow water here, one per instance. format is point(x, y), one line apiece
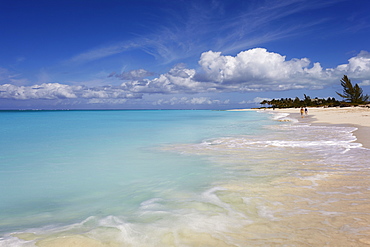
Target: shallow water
point(180, 178)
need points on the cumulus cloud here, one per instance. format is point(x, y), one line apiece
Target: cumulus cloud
point(365, 83)
point(43, 91)
point(178, 80)
point(108, 93)
point(133, 74)
point(190, 101)
point(254, 70)
point(107, 101)
point(260, 70)
point(51, 91)
point(358, 67)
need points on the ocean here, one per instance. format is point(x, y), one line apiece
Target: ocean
point(180, 178)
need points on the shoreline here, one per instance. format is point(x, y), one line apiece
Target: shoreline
point(358, 117)
point(290, 191)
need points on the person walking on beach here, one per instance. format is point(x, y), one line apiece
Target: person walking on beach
point(305, 111)
point(302, 111)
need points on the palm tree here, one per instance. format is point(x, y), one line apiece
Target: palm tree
point(352, 93)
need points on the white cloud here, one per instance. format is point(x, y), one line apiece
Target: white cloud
point(43, 91)
point(190, 101)
point(254, 70)
point(358, 67)
point(107, 101)
point(178, 80)
point(50, 91)
point(104, 93)
point(365, 83)
point(260, 70)
point(133, 74)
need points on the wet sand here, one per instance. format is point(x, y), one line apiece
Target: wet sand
point(358, 117)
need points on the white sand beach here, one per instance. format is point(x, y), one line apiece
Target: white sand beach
point(354, 116)
point(358, 117)
point(342, 192)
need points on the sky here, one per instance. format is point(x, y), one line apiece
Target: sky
point(178, 54)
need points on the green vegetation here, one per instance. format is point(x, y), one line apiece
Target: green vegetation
point(353, 96)
point(296, 103)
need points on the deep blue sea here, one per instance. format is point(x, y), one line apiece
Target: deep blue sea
point(162, 177)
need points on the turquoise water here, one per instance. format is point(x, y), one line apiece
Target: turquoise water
point(177, 178)
point(61, 167)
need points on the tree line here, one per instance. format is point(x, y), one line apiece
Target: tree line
point(297, 102)
point(352, 96)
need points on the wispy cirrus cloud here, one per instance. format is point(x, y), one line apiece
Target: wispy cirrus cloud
point(102, 52)
point(202, 27)
point(264, 23)
point(8, 76)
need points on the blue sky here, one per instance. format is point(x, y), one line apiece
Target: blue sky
point(194, 54)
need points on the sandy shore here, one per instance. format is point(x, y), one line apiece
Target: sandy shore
point(354, 116)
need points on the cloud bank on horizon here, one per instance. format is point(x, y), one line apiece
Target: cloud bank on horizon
point(199, 53)
point(256, 70)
